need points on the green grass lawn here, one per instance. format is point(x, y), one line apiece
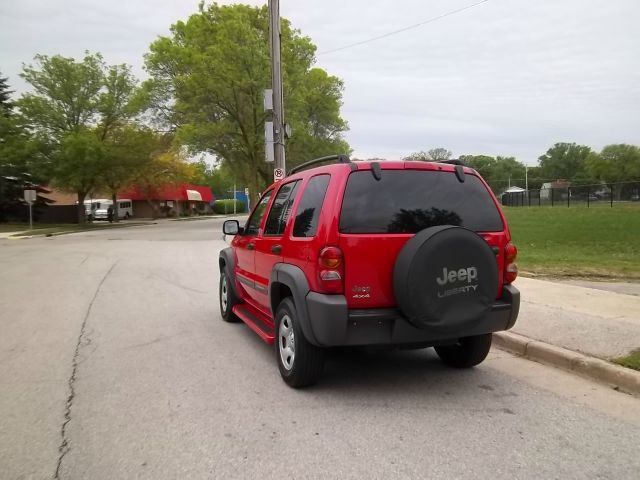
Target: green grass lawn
point(21, 227)
point(58, 229)
point(630, 361)
point(589, 242)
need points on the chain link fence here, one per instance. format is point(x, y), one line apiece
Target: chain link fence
point(575, 195)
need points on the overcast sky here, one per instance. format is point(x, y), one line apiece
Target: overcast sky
point(507, 77)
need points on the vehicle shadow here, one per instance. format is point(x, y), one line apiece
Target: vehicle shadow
point(361, 368)
point(361, 372)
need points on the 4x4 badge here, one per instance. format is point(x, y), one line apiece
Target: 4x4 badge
point(361, 292)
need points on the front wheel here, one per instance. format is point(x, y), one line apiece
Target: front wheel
point(300, 362)
point(467, 353)
point(228, 300)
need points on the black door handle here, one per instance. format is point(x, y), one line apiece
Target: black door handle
point(250, 246)
point(276, 249)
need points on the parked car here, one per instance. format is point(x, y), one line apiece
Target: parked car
point(410, 254)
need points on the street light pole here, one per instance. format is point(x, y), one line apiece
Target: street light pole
point(276, 80)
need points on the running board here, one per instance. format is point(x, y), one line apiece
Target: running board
point(257, 322)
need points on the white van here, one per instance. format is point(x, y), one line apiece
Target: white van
point(100, 209)
point(90, 207)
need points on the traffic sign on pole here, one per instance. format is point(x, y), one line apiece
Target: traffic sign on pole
point(278, 174)
point(30, 196)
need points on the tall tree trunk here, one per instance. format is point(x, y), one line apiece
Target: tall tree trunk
point(81, 212)
point(115, 205)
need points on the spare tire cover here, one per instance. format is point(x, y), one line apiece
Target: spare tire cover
point(445, 278)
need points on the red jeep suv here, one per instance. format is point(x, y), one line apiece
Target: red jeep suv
point(413, 254)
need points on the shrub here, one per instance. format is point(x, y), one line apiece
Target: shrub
point(226, 206)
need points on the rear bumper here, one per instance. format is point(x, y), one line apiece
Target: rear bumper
point(333, 324)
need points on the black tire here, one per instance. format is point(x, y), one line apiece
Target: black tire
point(305, 366)
point(228, 299)
point(467, 353)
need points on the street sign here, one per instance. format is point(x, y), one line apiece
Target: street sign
point(30, 196)
point(278, 174)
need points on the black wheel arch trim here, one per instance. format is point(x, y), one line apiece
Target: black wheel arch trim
point(511, 295)
point(294, 278)
point(227, 262)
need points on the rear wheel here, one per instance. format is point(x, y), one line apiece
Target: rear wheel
point(467, 353)
point(227, 299)
point(300, 363)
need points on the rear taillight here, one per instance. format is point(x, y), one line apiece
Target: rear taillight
point(331, 271)
point(510, 266)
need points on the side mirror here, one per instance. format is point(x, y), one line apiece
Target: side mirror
point(231, 227)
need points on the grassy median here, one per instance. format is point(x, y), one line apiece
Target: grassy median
point(61, 229)
point(583, 242)
point(630, 361)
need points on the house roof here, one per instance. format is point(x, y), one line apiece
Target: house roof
point(181, 192)
point(58, 197)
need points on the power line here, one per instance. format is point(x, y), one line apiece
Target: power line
point(410, 27)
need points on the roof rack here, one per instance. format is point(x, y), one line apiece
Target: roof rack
point(341, 158)
point(453, 161)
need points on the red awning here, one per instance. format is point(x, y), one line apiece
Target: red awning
point(184, 192)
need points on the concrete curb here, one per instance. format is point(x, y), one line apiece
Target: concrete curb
point(16, 235)
point(619, 377)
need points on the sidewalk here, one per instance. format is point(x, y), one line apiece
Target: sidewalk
point(578, 329)
point(599, 323)
point(8, 234)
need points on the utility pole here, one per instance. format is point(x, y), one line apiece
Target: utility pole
point(276, 80)
point(526, 178)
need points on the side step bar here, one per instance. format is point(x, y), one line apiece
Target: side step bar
point(256, 321)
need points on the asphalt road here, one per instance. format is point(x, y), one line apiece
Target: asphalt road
point(114, 364)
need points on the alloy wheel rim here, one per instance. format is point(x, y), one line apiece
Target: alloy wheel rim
point(286, 342)
point(223, 294)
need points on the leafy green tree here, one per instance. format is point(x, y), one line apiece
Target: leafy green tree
point(66, 94)
point(499, 172)
point(615, 163)
point(439, 154)
point(433, 155)
point(207, 84)
point(127, 150)
point(78, 163)
point(483, 164)
point(6, 105)
point(20, 159)
point(313, 110)
point(75, 104)
point(420, 156)
point(565, 161)
point(165, 165)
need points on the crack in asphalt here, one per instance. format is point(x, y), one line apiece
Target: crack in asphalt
point(64, 447)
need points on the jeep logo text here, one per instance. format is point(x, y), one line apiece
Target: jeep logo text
point(451, 276)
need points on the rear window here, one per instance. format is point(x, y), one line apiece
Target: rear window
point(407, 201)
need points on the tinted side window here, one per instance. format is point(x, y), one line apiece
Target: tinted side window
point(256, 218)
point(407, 201)
point(281, 208)
point(309, 208)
